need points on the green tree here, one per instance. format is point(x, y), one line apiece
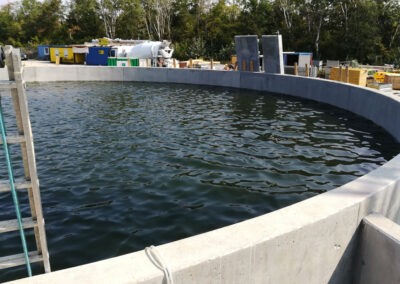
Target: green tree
point(28, 14)
point(109, 11)
point(51, 23)
point(221, 26)
point(158, 18)
point(367, 30)
point(83, 21)
point(10, 28)
point(131, 22)
point(258, 18)
point(364, 38)
point(316, 14)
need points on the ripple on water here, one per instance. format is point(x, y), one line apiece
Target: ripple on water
point(126, 165)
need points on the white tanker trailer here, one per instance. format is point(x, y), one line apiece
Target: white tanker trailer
point(159, 52)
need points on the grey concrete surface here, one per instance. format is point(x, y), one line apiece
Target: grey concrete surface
point(247, 50)
point(273, 54)
point(378, 258)
point(314, 241)
point(3, 74)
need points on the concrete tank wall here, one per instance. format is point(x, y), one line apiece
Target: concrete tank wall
point(313, 241)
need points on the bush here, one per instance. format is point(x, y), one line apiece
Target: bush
point(192, 49)
point(321, 73)
point(225, 52)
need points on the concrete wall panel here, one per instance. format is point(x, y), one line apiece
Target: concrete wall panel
point(3, 74)
point(308, 254)
point(247, 50)
point(99, 73)
point(273, 54)
point(144, 74)
point(72, 73)
point(183, 76)
point(235, 267)
point(218, 78)
point(378, 260)
point(204, 77)
point(49, 74)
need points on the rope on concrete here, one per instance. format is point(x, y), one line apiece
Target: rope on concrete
point(154, 256)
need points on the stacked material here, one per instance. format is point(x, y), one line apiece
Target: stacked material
point(200, 63)
point(393, 79)
point(356, 76)
point(380, 86)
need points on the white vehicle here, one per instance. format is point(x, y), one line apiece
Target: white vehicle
point(158, 51)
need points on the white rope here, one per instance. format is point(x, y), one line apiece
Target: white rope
point(156, 259)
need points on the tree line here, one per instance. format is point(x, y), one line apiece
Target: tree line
point(365, 30)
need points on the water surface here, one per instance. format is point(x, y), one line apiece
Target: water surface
point(126, 165)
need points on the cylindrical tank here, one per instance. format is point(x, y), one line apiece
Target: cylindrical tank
point(142, 51)
point(149, 49)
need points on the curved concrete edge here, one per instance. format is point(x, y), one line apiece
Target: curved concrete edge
point(313, 241)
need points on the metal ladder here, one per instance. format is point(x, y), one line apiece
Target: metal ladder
point(30, 182)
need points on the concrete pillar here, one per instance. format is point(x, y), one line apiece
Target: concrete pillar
point(378, 259)
point(273, 54)
point(247, 51)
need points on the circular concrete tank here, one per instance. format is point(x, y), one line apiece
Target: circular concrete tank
point(309, 242)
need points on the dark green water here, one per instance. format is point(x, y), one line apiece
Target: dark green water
point(125, 166)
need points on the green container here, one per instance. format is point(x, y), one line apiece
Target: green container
point(134, 61)
point(122, 62)
point(112, 61)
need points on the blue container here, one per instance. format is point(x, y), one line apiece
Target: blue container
point(44, 52)
point(98, 55)
point(301, 58)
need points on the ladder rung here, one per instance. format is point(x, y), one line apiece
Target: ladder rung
point(12, 139)
point(18, 259)
point(19, 184)
point(12, 225)
point(4, 94)
point(7, 85)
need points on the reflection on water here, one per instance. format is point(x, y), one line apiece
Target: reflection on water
point(124, 166)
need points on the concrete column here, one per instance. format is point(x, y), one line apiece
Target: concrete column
point(378, 258)
point(247, 51)
point(273, 54)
